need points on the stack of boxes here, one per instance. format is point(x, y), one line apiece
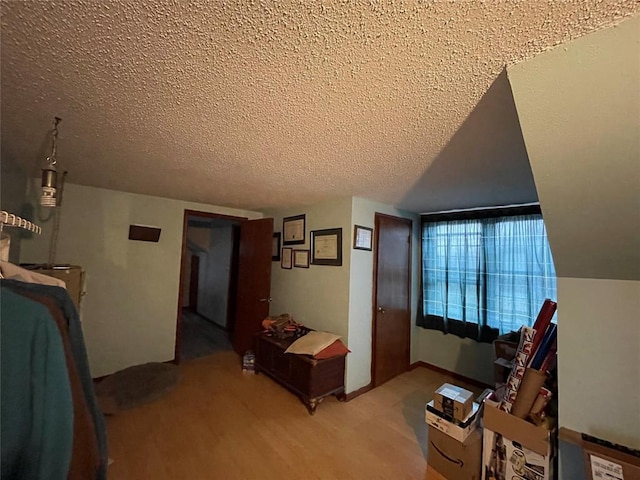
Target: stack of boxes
point(455, 443)
point(518, 420)
point(517, 426)
point(507, 447)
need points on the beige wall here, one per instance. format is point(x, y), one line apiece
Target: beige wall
point(317, 296)
point(579, 108)
point(461, 355)
point(129, 312)
point(201, 238)
point(339, 299)
point(215, 270)
point(361, 292)
point(600, 373)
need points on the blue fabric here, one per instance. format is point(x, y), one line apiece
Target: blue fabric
point(79, 352)
point(493, 272)
point(37, 408)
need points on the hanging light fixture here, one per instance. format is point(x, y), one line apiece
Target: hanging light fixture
point(49, 172)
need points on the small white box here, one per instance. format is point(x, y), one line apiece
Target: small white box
point(459, 430)
point(455, 402)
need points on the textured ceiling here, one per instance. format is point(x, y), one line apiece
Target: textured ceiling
point(260, 104)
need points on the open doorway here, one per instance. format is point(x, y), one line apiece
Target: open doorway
point(208, 282)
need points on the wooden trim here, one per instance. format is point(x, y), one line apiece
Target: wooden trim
point(570, 436)
point(409, 291)
point(457, 376)
point(197, 213)
point(233, 280)
point(374, 298)
point(417, 364)
point(360, 391)
point(183, 254)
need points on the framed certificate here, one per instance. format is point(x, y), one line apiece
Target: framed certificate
point(301, 258)
point(275, 247)
point(293, 229)
point(362, 237)
point(326, 247)
point(287, 256)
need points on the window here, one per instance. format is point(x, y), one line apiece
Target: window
point(487, 275)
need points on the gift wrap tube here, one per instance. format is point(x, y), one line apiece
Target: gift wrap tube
point(529, 388)
point(517, 371)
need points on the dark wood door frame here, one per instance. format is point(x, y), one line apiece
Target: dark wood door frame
point(183, 255)
point(233, 282)
point(194, 282)
point(374, 302)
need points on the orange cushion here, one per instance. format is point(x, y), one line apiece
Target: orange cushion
point(335, 349)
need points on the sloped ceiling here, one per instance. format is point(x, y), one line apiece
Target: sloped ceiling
point(258, 104)
point(580, 112)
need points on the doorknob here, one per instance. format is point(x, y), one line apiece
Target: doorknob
point(266, 299)
point(381, 310)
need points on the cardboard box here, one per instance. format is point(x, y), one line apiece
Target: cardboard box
point(72, 276)
point(453, 459)
point(453, 401)
point(602, 461)
point(513, 447)
point(501, 370)
point(457, 430)
point(505, 349)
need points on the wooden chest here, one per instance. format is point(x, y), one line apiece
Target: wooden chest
point(310, 379)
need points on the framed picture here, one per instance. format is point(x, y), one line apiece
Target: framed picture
point(293, 230)
point(326, 247)
point(275, 247)
point(285, 261)
point(362, 237)
point(301, 258)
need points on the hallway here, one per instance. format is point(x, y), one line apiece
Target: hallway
point(200, 337)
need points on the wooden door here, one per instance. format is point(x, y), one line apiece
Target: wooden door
point(194, 277)
point(254, 281)
point(392, 298)
point(232, 294)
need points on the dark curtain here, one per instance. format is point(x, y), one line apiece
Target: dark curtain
point(484, 276)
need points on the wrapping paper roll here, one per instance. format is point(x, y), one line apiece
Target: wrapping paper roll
point(527, 393)
point(542, 323)
point(521, 361)
point(545, 347)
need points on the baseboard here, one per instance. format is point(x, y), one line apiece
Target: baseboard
point(360, 391)
point(444, 371)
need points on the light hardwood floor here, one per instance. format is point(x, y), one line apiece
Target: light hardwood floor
point(222, 424)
